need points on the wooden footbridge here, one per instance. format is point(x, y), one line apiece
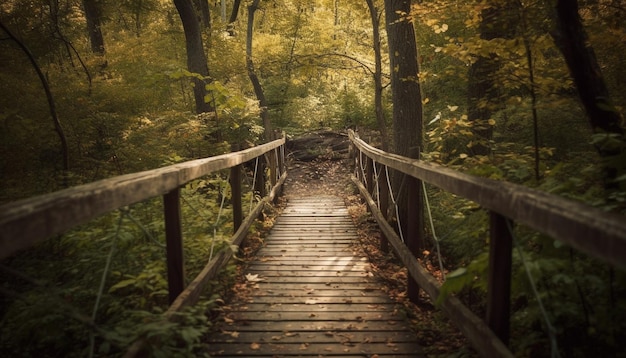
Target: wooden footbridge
point(311, 294)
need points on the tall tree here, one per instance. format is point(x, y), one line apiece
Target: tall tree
point(378, 75)
point(256, 84)
point(605, 119)
point(233, 17)
point(407, 120)
point(405, 88)
point(93, 16)
point(51, 103)
point(482, 89)
point(196, 58)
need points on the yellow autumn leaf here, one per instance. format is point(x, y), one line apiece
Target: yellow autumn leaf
point(255, 346)
point(462, 155)
point(453, 108)
point(492, 122)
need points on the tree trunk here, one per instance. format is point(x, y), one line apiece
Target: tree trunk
point(256, 84)
point(51, 103)
point(483, 95)
point(196, 58)
point(378, 76)
point(571, 39)
point(407, 123)
point(233, 17)
point(407, 105)
point(93, 16)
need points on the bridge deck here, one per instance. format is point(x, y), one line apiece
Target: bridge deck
point(311, 295)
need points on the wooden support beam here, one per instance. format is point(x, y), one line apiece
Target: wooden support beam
point(174, 244)
point(369, 175)
point(383, 192)
point(273, 166)
point(259, 181)
point(414, 228)
point(499, 285)
point(235, 189)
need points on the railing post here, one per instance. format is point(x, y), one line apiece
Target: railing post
point(383, 193)
point(369, 176)
point(499, 285)
point(174, 244)
point(281, 158)
point(259, 181)
point(273, 166)
point(414, 228)
point(235, 189)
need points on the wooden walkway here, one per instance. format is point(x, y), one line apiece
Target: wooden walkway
point(312, 296)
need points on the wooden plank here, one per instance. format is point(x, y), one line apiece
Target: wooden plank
point(317, 337)
point(316, 279)
point(354, 316)
point(285, 307)
point(303, 260)
point(247, 325)
point(589, 230)
point(300, 293)
point(273, 349)
point(310, 288)
point(28, 221)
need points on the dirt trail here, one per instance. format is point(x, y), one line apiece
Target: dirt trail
point(318, 164)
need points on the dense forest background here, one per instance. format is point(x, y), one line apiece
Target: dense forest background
point(498, 97)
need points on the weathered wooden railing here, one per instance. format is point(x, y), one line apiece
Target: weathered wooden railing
point(26, 222)
point(599, 234)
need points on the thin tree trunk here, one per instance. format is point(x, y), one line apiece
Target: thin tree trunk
point(407, 123)
point(51, 104)
point(483, 95)
point(233, 17)
point(93, 16)
point(571, 39)
point(378, 75)
point(196, 58)
point(256, 84)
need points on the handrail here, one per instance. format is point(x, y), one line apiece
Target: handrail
point(590, 230)
point(25, 222)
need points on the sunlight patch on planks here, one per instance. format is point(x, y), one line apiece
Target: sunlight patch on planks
point(311, 295)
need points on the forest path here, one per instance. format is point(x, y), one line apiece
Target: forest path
point(328, 176)
point(309, 293)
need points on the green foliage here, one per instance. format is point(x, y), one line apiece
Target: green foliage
point(68, 271)
point(463, 278)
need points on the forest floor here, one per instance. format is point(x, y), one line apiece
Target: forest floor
point(330, 175)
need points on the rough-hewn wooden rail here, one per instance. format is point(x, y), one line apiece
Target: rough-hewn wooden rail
point(594, 232)
point(26, 222)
